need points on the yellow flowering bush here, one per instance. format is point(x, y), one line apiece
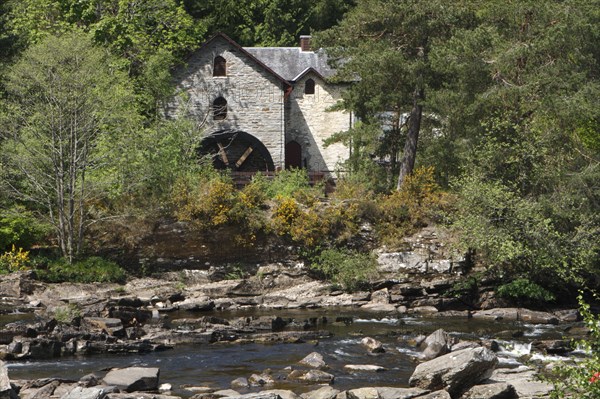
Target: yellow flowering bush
point(14, 260)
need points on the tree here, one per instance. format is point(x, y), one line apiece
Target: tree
point(384, 46)
point(149, 36)
point(63, 99)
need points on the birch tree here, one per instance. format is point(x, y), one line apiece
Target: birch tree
point(63, 99)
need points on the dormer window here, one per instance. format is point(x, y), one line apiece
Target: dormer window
point(219, 109)
point(219, 66)
point(309, 86)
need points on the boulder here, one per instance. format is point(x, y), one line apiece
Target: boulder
point(363, 393)
point(524, 380)
point(496, 314)
point(314, 360)
point(314, 376)
point(326, 392)
point(499, 390)
point(6, 390)
point(536, 317)
point(380, 297)
point(385, 393)
point(372, 345)
point(132, 379)
point(139, 395)
point(436, 344)
point(87, 393)
point(437, 395)
point(456, 372)
point(259, 380)
point(240, 383)
point(281, 393)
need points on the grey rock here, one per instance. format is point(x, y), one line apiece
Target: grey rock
point(326, 392)
point(112, 326)
point(497, 314)
point(499, 390)
point(132, 379)
point(437, 395)
point(314, 360)
point(456, 372)
point(525, 382)
point(436, 344)
point(373, 345)
point(240, 383)
point(86, 393)
point(6, 390)
point(536, 317)
point(380, 297)
point(259, 380)
point(385, 393)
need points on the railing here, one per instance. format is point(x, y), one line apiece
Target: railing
point(242, 179)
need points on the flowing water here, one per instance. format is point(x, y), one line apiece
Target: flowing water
point(216, 365)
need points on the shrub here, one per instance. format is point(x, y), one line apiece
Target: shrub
point(14, 260)
point(20, 228)
point(294, 183)
point(66, 314)
point(350, 270)
point(91, 270)
point(418, 202)
point(525, 291)
point(582, 379)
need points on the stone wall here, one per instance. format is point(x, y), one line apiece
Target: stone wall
point(308, 123)
point(255, 98)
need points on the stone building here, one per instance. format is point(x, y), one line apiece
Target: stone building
point(262, 108)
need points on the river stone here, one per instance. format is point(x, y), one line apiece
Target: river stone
point(381, 296)
point(497, 314)
point(6, 390)
point(456, 372)
point(426, 310)
point(437, 395)
point(372, 345)
point(364, 367)
point(259, 380)
point(436, 344)
point(317, 376)
point(499, 390)
point(363, 393)
point(258, 395)
point(524, 380)
point(86, 393)
point(536, 317)
point(240, 383)
point(399, 393)
point(326, 392)
point(281, 393)
point(132, 379)
point(139, 395)
point(380, 307)
point(314, 360)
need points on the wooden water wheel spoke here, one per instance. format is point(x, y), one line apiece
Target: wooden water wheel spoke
point(244, 156)
point(223, 153)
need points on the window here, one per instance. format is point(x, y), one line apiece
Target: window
point(219, 109)
point(220, 66)
point(309, 87)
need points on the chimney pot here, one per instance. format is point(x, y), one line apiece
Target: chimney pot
point(305, 43)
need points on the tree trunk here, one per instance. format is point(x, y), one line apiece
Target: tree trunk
point(412, 137)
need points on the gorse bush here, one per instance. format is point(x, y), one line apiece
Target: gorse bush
point(14, 260)
point(419, 202)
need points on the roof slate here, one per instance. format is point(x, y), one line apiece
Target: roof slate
point(290, 62)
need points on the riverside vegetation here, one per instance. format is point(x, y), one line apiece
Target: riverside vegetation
point(494, 104)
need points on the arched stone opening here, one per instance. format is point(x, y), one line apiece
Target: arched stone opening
point(238, 151)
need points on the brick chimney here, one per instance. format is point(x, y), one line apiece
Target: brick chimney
point(305, 43)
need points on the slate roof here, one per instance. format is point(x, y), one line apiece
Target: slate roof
point(291, 63)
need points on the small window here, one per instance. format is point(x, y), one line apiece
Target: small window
point(219, 109)
point(309, 87)
point(220, 66)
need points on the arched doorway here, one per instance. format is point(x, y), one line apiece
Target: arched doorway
point(237, 151)
point(293, 155)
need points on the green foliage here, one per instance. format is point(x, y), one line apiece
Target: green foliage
point(90, 270)
point(525, 292)
point(20, 228)
point(581, 380)
point(293, 183)
point(351, 270)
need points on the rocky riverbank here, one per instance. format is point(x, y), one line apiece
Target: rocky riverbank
point(199, 307)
